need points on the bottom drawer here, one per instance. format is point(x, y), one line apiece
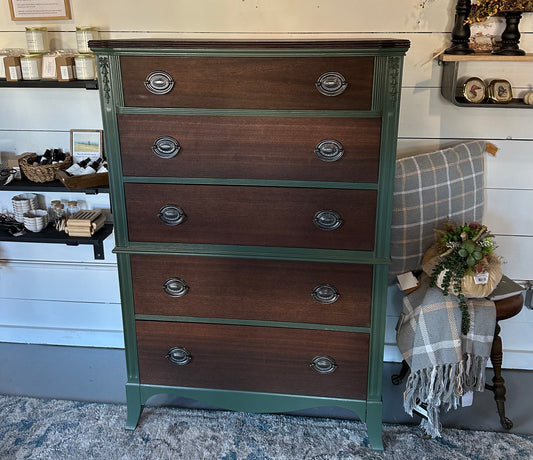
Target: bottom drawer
point(253, 358)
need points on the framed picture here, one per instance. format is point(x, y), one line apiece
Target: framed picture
point(474, 90)
point(85, 143)
point(500, 91)
point(23, 10)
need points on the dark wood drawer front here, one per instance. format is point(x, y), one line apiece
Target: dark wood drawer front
point(253, 358)
point(264, 216)
point(247, 82)
point(252, 289)
point(251, 147)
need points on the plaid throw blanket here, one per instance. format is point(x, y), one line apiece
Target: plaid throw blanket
point(444, 364)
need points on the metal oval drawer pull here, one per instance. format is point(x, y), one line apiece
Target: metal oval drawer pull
point(175, 287)
point(166, 147)
point(323, 364)
point(179, 356)
point(329, 150)
point(159, 82)
point(327, 220)
point(171, 214)
point(325, 293)
point(331, 84)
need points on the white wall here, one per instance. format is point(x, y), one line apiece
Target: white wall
point(427, 122)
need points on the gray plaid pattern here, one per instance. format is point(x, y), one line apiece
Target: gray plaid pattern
point(444, 364)
point(428, 190)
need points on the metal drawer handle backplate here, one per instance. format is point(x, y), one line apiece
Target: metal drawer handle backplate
point(331, 84)
point(329, 150)
point(325, 293)
point(179, 356)
point(159, 82)
point(327, 220)
point(323, 364)
point(166, 147)
point(171, 214)
point(175, 287)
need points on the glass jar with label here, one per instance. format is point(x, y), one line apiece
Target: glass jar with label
point(85, 67)
point(37, 40)
point(83, 35)
point(31, 65)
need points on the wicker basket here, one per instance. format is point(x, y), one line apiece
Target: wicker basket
point(43, 173)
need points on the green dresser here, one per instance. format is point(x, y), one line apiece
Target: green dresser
point(251, 185)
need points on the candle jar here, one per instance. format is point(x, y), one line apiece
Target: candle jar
point(85, 67)
point(31, 65)
point(83, 35)
point(37, 40)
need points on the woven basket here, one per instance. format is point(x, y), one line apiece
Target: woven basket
point(43, 173)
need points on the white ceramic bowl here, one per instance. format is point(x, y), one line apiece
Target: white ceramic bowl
point(36, 220)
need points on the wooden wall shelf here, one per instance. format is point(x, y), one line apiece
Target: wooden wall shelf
point(451, 89)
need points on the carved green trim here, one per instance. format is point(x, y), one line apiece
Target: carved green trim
point(249, 112)
point(104, 81)
point(245, 322)
point(256, 402)
point(128, 316)
point(252, 182)
point(253, 252)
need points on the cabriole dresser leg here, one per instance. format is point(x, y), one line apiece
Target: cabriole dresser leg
point(374, 424)
point(134, 406)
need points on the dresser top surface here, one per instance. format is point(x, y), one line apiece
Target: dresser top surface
point(362, 44)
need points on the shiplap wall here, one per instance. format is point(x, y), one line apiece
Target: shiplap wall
point(86, 309)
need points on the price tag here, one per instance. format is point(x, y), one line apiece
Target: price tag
point(481, 278)
point(467, 399)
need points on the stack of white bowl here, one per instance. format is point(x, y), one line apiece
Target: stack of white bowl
point(23, 203)
point(36, 220)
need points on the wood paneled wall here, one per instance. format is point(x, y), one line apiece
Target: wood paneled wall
point(32, 119)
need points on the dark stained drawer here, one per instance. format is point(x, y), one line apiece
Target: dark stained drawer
point(247, 82)
point(293, 148)
point(268, 290)
point(263, 216)
point(251, 358)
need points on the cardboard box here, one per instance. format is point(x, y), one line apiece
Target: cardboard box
point(65, 68)
point(12, 68)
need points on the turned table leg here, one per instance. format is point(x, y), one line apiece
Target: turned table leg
point(496, 357)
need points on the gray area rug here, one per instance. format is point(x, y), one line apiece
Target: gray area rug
point(57, 429)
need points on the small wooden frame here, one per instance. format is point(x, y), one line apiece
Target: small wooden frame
point(39, 10)
point(85, 143)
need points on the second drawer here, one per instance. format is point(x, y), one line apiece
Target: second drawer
point(264, 216)
point(267, 290)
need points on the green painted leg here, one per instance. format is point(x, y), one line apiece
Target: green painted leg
point(374, 422)
point(133, 402)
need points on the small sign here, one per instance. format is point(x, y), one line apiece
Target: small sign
point(30, 10)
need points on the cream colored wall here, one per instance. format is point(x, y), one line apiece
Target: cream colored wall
point(427, 120)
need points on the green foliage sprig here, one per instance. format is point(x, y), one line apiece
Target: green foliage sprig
point(463, 250)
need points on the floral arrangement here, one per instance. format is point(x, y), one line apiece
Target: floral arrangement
point(486, 8)
point(463, 250)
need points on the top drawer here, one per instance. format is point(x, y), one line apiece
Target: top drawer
point(249, 82)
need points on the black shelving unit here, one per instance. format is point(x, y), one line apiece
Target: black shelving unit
point(87, 84)
point(54, 186)
point(50, 235)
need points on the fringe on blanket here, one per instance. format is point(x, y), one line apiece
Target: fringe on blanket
point(441, 387)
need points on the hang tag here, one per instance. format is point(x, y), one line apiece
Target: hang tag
point(481, 278)
point(467, 399)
